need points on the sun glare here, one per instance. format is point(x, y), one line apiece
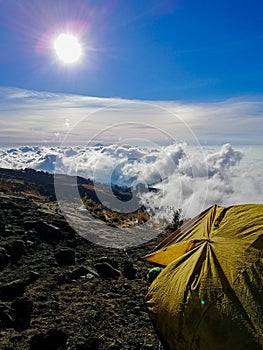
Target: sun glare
point(68, 48)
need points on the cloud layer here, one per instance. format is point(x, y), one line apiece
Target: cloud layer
point(45, 118)
point(191, 178)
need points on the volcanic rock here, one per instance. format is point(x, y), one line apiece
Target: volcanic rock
point(4, 258)
point(47, 233)
point(45, 304)
point(12, 290)
point(6, 319)
point(106, 259)
point(33, 276)
point(22, 309)
point(105, 270)
point(65, 257)
point(54, 339)
point(91, 343)
point(2, 227)
point(17, 250)
point(128, 270)
point(78, 272)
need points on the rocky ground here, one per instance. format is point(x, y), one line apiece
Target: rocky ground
point(60, 291)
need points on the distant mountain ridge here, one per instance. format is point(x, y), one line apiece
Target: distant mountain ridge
point(98, 199)
point(43, 182)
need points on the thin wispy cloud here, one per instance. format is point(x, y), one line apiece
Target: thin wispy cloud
point(42, 117)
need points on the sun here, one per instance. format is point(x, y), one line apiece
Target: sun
point(68, 48)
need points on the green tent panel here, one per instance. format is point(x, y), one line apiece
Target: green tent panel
point(210, 294)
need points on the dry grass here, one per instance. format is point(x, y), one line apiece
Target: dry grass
point(114, 218)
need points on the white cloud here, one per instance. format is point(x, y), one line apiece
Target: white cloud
point(192, 178)
point(43, 117)
point(199, 181)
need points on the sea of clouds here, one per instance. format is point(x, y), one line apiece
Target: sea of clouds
point(188, 177)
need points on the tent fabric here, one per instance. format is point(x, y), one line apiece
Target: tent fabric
point(210, 295)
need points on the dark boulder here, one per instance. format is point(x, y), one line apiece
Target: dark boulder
point(54, 339)
point(6, 319)
point(2, 227)
point(47, 233)
point(7, 233)
point(29, 224)
point(78, 272)
point(105, 270)
point(17, 250)
point(22, 308)
point(91, 343)
point(65, 257)
point(12, 290)
point(4, 258)
point(128, 270)
point(32, 277)
point(106, 259)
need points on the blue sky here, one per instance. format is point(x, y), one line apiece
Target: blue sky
point(191, 53)
point(144, 49)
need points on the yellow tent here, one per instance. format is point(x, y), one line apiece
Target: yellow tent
point(210, 295)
